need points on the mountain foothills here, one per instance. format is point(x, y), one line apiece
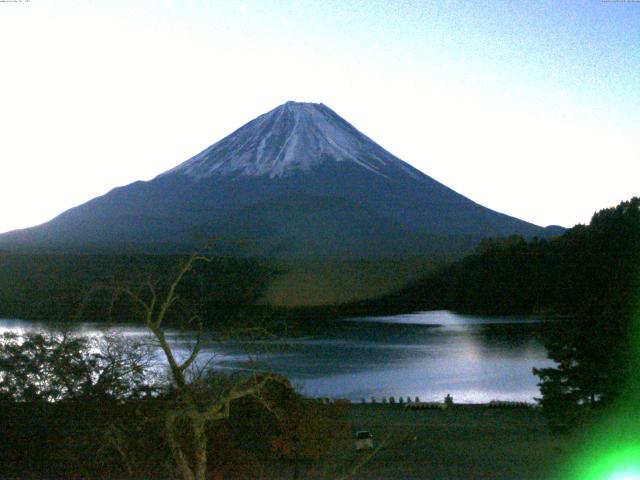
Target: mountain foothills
point(589, 271)
point(296, 182)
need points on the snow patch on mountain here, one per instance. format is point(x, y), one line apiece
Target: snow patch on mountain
point(292, 138)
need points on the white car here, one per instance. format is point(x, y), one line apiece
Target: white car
point(364, 440)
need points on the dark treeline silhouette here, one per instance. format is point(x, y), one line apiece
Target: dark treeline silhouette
point(589, 270)
point(66, 287)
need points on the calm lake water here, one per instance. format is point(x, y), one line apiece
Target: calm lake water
point(427, 354)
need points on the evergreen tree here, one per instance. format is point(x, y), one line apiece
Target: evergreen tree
point(594, 353)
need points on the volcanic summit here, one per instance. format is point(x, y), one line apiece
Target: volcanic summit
point(298, 180)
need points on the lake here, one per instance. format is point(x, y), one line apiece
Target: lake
point(426, 354)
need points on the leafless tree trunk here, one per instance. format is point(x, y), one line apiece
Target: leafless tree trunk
point(192, 412)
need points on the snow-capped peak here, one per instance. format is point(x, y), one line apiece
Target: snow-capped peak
point(294, 137)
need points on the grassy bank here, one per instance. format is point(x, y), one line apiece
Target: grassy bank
point(467, 442)
point(464, 442)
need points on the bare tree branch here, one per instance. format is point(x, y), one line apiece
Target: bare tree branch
point(171, 294)
point(196, 349)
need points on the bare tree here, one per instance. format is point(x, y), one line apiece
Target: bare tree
point(198, 406)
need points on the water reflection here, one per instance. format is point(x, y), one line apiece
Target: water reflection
point(426, 354)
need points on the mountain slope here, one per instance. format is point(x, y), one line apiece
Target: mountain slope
point(298, 180)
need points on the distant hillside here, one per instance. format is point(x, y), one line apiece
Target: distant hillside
point(70, 287)
point(593, 269)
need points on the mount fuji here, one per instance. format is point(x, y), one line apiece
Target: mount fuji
point(298, 181)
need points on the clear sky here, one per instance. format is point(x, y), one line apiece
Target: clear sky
point(531, 108)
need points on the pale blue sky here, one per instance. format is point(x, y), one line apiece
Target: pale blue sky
point(528, 107)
